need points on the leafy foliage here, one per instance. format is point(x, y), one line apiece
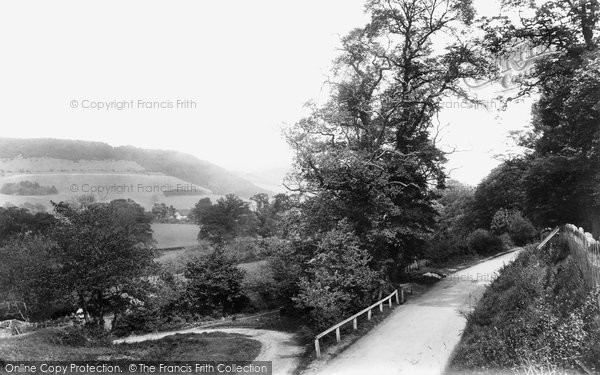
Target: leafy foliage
point(103, 251)
point(15, 221)
point(561, 184)
point(482, 241)
point(339, 279)
point(502, 189)
point(537, 311)
point(27, 276)
point(163, 214)
point(520, 230)
point(453, 224)
point(367, 155)
point(269, 212)
point(214, 283)
point(228, 218)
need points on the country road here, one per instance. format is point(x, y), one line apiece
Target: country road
point(419, 336)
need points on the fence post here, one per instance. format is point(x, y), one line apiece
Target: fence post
point(402, 295)
point(317, 348)
point(397, 297)
point(337, 334)
point(369, 315)
point(381, 307)
point(390, 302)
point(355, 323)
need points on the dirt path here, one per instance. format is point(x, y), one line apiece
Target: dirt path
point(279, 347)
point(419, 337)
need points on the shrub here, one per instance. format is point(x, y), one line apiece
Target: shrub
point(482, 241)
point(215, 283)
point(140, 320)
point(506, 240)
point(78, 336)
point(521, 230)
point(286, 265)
point(501, 221)
point(160, 310)
point(443, 246)
point(261, 288)
point(340, 280)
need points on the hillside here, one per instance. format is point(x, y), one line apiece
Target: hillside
point(142, 188)
point(69, 153)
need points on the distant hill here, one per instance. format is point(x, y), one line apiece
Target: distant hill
point(171, 163)
point(72, 183)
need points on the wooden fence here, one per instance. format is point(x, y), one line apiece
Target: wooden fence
point(354, 318)
point(586, 252)
point(584, 249)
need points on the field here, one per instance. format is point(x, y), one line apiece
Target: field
point(175, 235)
point(55, 344)
point(145, 189)
point(52, 165)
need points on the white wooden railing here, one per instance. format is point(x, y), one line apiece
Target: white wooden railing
point(353, 318)
point(548, 238)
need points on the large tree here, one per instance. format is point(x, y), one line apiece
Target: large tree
point(503, 188)
point(104, 253)
point(368, 155)
point(228, 218)
point(562, 185)
point(269, 212)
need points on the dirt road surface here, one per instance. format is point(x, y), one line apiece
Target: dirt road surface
point(419, 336)
point(279, 347)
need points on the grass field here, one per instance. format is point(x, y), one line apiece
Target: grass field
point(145, 189)
point(175, 235)
point(49, 344)
point(174, 261)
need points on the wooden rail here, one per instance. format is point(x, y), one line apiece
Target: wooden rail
point(353, 318)
point(548, 238)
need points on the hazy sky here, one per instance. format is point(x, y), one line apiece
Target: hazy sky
point(241, 70)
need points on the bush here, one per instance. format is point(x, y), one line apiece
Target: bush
point(261, 288)
point(340, 280)
point(501, 221)
point(521, 230)
point(286, 265)
point(506, 240)
point(140, 320)
point(77, 336)
point(445, 246)
point(482, 241)
point(215, 283)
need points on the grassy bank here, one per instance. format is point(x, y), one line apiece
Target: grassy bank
point(537, 315)
point(58, 344)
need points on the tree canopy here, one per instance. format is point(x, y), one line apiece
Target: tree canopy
point(367, 155)
point(561, 185)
